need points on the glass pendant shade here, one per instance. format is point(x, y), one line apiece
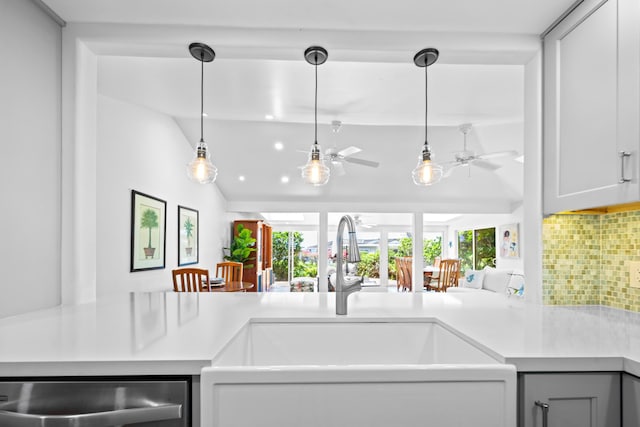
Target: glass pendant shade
point(315, 172)
point(426, 173)
point(200, 169)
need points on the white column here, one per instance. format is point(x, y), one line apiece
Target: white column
point(384, 258)
point(323, 238)
point(532, 223)
point(418, 244)
point(79, 144)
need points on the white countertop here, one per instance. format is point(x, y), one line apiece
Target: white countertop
point(179, 333)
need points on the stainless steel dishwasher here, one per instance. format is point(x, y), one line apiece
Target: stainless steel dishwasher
point(95, 403)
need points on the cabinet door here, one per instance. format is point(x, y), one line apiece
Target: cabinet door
point(630, 401)
point(574, 399)
point(591, 98)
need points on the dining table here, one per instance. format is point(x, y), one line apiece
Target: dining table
point(428, 272)
point(235, 286)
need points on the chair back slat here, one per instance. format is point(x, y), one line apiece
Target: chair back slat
point(230, 271)
point(190, 280)
point(448, 275)
point(403, 273)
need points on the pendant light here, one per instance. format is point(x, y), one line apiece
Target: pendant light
point(426, 172)
point(200, 169)
point(315, 172)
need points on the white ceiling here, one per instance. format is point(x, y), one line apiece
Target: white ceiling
point(369, 83)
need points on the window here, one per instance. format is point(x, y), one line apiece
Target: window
point(432, 246)
point(295, 254)
point(477, 248)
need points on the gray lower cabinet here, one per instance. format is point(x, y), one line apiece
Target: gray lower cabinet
point(630, 401)
point(573, 399)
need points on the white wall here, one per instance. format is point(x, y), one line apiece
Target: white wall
point(30, 144)
point(468, 222)
point(146, 151)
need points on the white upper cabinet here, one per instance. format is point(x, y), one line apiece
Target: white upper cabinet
point(592, 107)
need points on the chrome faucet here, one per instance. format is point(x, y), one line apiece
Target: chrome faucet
point(353, 255)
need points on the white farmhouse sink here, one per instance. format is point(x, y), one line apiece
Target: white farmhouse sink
point(356, 372)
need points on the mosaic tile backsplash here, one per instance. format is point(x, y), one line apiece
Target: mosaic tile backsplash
point(586, 259)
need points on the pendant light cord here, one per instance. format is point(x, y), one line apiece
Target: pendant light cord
point(426, 103)
point(316, 101)
point(201, 96)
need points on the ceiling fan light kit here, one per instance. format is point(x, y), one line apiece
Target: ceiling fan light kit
point(315, 172)
point(426, 172)
point(200, 169)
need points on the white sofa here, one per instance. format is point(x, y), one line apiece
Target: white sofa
point(501, 281)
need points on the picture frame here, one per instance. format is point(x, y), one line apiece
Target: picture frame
point(188, 236)
point(509, 241)
point(148, 232)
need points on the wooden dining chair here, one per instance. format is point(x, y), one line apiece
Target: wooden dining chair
point(230, 271)
point(190, 280)
point(403, 274)
point(448, 275)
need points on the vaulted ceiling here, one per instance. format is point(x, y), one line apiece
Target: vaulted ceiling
point(369, 83)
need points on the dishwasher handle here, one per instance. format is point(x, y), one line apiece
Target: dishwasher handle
point(96, 419)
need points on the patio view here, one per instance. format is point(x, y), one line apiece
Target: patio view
point(295, 255)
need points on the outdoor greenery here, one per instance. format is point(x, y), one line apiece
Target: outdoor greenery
point(485, 248)
point(484, 241)
point(465, 250)
point(242, 247)
point(301, 267)
point(369, 264)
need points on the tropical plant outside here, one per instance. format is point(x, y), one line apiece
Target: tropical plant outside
point(301, 267)
point(149, 220)
point(369, 264)
point(465, 250)
point(477, 248)
point(485, 255)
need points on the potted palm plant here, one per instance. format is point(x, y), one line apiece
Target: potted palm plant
point(149, 220)
point(188, 229)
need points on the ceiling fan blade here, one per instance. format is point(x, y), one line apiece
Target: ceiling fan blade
point(485, 165)
point(349, 151)
point(448, 171)
point(497, 154)
point(362, 162)
point(337, 168)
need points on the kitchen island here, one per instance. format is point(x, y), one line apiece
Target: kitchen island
point(179, 333)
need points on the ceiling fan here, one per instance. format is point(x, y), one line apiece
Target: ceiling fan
point(468, 157)
point(336, 157)
point(358, 220)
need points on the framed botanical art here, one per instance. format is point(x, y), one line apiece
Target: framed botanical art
point(148, 232)
point(509, 241)
point(188, 236)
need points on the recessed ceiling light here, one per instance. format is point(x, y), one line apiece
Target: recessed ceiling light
point(241, 178)
point(269, 117)
point(205, 115)
point(519, 159)
point(278, 145)
point(284, 179)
